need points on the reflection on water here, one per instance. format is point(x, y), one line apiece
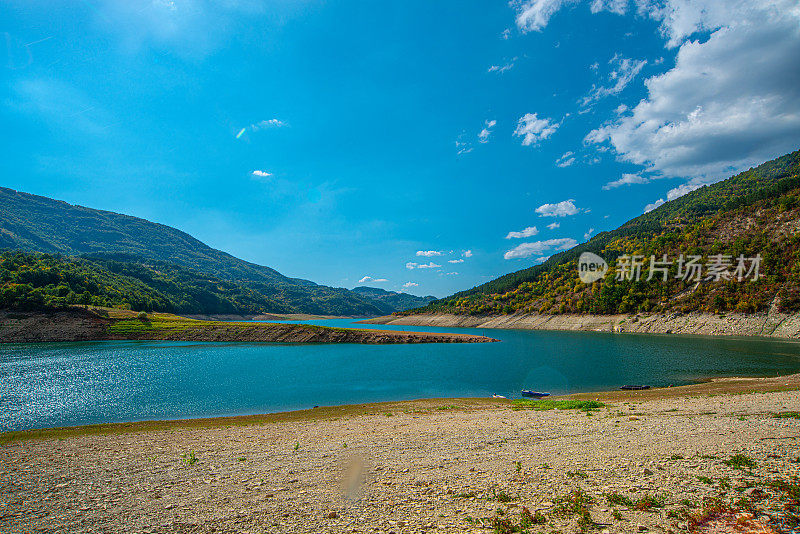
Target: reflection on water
point(58, 384)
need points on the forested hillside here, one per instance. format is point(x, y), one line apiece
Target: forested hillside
point(35, 281)
point(180, 271)
point(398, 301)
point(753, 213)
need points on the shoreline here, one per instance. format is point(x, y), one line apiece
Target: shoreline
point(694, 464)
point(770, 324)
point(707, 388)
point(79, 324)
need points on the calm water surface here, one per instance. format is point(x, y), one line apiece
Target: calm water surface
point(59, 384)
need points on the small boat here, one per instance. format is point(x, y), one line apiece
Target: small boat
point(534, 394)
point(496, 396)
point(631, 387)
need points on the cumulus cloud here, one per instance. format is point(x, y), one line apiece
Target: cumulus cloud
point(553, 225)
point(533, 15)
point(654, 205)
point(408, 285)
point(467, 253)
point(429, 253)
point(484, 134)
point(627, 179)
point(370, 279)
point(532, 129)
point(413, 265)
point(460, 260)
point(732, 99)
point(566, 159)
point(454, 273)
point(559, 209)
point(537, 248)
point(672, 194)
point(681, 190)
point(527, 232)
point(260, 174)
point(588, 234)
point(623, 71)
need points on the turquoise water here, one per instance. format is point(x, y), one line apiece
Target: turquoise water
point(60, 384)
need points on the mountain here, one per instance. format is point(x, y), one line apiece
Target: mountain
point(84, 238)
point(398, 301)
point(756, 212)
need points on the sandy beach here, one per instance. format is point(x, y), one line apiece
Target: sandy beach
point(654, 463)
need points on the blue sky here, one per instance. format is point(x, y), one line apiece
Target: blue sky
point(427, 146)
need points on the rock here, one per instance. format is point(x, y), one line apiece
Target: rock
point(331, 515)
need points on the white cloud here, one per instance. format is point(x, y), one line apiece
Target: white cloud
point(615, 6)
point(672, 194)
point(502, 68)
point(410, 284)
point(454, 273)
point(588, 234)
point(429, 253)
point(483, 136)
point(467, 254)
point(542, 259)
point(560, 209)
point(506, 34)
point(460, 260)
point(462, 147)
point(732, 100)
point(269, 123)
point(654, 205)
point(536, 248)
point(681, 190)
point(527, 232)
point(553, 225)
point(261, 174)
point(533, 15)
point(566, 159)
point(623, 71)
point(627, 179)
point(370, 279)
point(413, 265)
point(532, 129)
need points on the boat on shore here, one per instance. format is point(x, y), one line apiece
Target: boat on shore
point(633, 387)
point(534, 394)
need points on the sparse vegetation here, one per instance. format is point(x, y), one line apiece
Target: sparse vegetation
point(547, 404)
point(189, 458)
point(740, 461)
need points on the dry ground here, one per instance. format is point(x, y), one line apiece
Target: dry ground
point(654, 465)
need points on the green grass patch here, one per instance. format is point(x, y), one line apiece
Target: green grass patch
point(786, 415)
point(740, 461)
point(618, 499)
point(547, 404)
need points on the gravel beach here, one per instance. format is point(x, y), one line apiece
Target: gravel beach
point(722, 463)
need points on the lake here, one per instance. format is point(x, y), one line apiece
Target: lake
point(61, 384)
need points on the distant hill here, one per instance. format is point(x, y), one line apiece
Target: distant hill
point(754, 212)
point(38, 224)
point(398, 301)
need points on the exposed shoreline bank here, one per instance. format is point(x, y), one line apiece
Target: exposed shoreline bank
point(771, 324)
point(711, 387)
point(80, 324)
point(444, 465)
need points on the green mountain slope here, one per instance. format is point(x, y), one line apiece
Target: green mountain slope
point(754, 212)
point(38, 224)
point(395, 300)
